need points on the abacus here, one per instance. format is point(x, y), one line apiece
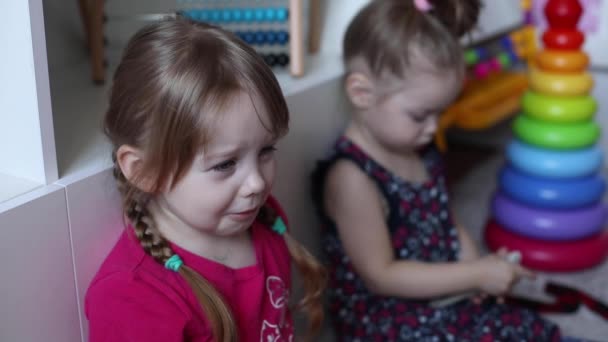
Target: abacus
point(272, 27)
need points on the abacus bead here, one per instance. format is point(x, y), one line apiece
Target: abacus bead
point(237, 15)
point(270, 59)
point(248, 14)
point(270, 14)
point(282, 37)
point(227, 15)
point(271, 37)
point(215, 15)
point(259, 14)
point(283, 59)
point(203, 15)
point(260, 37)
point(249, 37)
point(282, 14)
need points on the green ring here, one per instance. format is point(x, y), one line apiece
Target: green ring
point(559, 109)
point(556, 136)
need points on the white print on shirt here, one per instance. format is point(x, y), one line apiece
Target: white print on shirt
point(272, 333)
point(277, 291)
point(278, 295)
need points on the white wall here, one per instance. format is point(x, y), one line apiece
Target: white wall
point(26, 133)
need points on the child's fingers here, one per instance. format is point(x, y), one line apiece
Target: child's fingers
point(502, 252)
point(524, 272)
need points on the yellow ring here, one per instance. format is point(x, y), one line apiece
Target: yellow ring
point(560, 84)
point(562, 61)
point(558, 109)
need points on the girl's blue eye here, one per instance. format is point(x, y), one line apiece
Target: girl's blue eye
point(224, 166)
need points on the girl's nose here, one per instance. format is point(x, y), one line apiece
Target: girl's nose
point(431, 125)
point(255, 183)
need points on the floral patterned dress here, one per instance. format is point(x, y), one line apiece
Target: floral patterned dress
point(421, 228)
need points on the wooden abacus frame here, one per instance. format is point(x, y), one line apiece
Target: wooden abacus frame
point(92, 15)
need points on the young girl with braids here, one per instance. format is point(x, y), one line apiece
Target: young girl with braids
point(391, 242)
point(194, 116)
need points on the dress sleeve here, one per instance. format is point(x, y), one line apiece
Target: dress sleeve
point(120, 309)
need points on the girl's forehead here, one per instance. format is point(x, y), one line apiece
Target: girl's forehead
point(421, 88)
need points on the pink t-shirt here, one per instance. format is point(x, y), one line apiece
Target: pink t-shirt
point(134, 298)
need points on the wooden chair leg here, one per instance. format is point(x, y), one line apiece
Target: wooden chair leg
point(91, 14)
point(96, 44)
point(83, 6)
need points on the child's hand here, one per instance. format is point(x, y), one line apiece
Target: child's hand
point(498, 275)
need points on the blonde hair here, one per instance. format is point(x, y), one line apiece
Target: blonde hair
point(385, 33)
point(173, 77)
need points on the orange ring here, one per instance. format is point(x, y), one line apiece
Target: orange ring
point(564, 61)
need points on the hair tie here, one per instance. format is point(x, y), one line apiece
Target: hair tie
point(423, 5)
point(279, 226)
point(174, 263)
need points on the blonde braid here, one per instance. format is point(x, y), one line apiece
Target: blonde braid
point(213, 305)
point(312, 272)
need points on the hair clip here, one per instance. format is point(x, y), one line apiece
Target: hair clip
point(423, 5)
point(279, 226)
point(174, 263)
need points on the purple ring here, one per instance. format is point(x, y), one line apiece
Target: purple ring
point(547, 224)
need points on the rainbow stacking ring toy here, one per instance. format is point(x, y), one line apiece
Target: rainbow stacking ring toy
point(554, 164)
point(562, 61)
point(550, 256)
point(548, 224)
point(551, 193)
point(559, 109)
point(556, 136)
point(560, 84)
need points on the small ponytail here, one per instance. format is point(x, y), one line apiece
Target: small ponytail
point(458, 16)
point(386, 34)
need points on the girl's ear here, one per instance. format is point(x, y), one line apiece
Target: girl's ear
point(360, 90)
point(130, 160)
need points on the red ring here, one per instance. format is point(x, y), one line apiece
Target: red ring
point(563, 39)
point(550, 255)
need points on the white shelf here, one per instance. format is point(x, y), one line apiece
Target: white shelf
point(78, 108)
point(11, 186)
point(319, 69)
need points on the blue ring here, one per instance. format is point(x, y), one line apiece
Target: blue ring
point(551, 193)
point(554, 164)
